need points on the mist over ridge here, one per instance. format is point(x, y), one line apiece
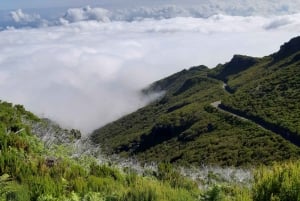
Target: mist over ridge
point(85, 67)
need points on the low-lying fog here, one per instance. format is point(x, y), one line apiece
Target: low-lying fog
point(86, 67)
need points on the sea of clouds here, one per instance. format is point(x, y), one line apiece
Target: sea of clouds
point(86, 67)
point(18, 18)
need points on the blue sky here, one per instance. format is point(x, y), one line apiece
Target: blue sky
point(25, 4)
point(15, 4)
point(71, 63)
point(238, 7)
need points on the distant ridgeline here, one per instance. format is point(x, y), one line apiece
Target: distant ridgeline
point(183, 127)
point(245, 112)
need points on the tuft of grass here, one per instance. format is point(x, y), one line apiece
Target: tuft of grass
point(279, 182)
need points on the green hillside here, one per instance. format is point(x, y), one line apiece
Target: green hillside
point(193, 123)
point(30, 172)
point(270, 92)
point(183, 127)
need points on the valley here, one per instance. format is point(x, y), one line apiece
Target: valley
point(230, 133)
point(182, 127)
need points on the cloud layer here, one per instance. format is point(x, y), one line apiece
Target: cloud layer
point(86, 69)
point(132, 10)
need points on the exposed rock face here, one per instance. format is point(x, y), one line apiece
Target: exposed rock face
point(288, 49)
point(237, 64)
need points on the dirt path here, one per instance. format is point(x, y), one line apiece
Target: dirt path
point(283, 132)
point(217, 105)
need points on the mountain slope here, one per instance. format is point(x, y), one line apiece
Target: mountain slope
point(270, 92)
point(182, 127)
point(29, 171)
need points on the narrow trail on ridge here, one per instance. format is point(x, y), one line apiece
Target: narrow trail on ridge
point(283, 132)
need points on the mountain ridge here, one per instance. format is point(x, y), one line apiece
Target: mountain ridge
point(287, 49)
point(182, 127)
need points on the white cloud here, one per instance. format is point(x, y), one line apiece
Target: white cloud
point(86, 13)
point(24, 19)
point(139, 10)
point(88, 73)
point(19, 16)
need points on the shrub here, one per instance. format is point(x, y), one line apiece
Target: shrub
point(140, 194)
point(281, 182)
point(213, 194)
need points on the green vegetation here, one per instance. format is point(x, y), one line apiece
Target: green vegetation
point(270, 92)
point(237, 64)
point(183, 128)
point(277, 182)
point(28, 171)
point(280, 182)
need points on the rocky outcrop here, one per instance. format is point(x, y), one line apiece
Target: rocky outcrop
point(236, 65)
point(287, 49)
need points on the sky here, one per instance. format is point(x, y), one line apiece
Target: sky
point(15, 4)
point(25, 4)
point(84, 65)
